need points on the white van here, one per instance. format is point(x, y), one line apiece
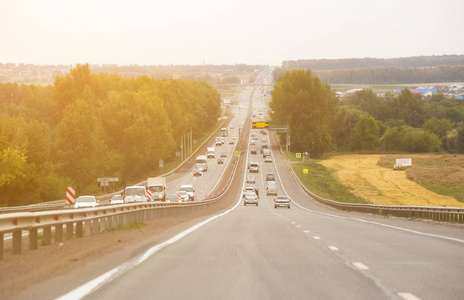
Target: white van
point(135, 193)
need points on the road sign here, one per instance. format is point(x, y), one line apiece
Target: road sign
point(259, 125)
point(237, 153)
point(179, 197)
point(161, 163)
point(70, 194)
point(305, 171)
point(298, 155)
point(148, 195)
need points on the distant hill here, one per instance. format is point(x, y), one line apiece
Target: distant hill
point(354, 63)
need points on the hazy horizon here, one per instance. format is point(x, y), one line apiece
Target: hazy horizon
point(144, 32)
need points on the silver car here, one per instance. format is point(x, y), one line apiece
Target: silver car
point(117, 199)
point(86, 201)
point(250, 198)
point(282, 201)
point(271, 190)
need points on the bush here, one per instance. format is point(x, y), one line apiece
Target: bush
point(411, 140)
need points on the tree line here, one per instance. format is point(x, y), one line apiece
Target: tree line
point(368, 62)
point(389, 75)
point(320, 122)
point(89, 125)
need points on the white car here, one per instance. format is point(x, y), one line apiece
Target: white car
point(250, 179)
point(86, 201)
point(117, 199)
point(282, 201)
point(250, 198)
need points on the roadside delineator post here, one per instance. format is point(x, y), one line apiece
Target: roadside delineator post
point(70, 195)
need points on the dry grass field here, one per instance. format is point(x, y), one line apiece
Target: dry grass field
point(372, 178)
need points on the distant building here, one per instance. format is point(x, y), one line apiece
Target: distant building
point(353, 91)
point(423, 91)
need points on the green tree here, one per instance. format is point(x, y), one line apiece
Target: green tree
point(368, 101)
point(344, 122)
point(408, 107)
point(438, 126)
point(302, 101)
point(13, 165)
point(80, 148)
point(365, 135)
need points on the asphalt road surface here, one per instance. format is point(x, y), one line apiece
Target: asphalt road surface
point(306, 252)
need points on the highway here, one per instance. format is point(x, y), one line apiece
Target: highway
point(309, 251)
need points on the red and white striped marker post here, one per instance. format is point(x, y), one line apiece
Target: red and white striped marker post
point(195, 197)
point(148, 195)
point(70, 195)
point(179, 197)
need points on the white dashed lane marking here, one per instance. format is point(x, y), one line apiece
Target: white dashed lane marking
point(360, 266)
point(316, 237)
point(408, 296)
point(333, 248)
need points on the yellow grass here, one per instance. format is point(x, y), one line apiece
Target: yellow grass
point(380, 185)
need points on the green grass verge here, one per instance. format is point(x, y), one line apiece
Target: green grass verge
point(134, 225)
point(320, 181)
point(445, 190)
point(291, 156)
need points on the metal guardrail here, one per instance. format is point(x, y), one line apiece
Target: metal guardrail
point(83, 222)
point(60, 204)
point(443, 214)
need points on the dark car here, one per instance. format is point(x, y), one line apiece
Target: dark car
point(220, 161)
point(224, 154)
point(270, 177)
point(254, 151)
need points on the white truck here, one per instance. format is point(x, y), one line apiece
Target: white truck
point(210, 152)
point(201, 163)
point(157, 187)
point(135, 193)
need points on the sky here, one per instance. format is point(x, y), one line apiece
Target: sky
point(255, 32)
